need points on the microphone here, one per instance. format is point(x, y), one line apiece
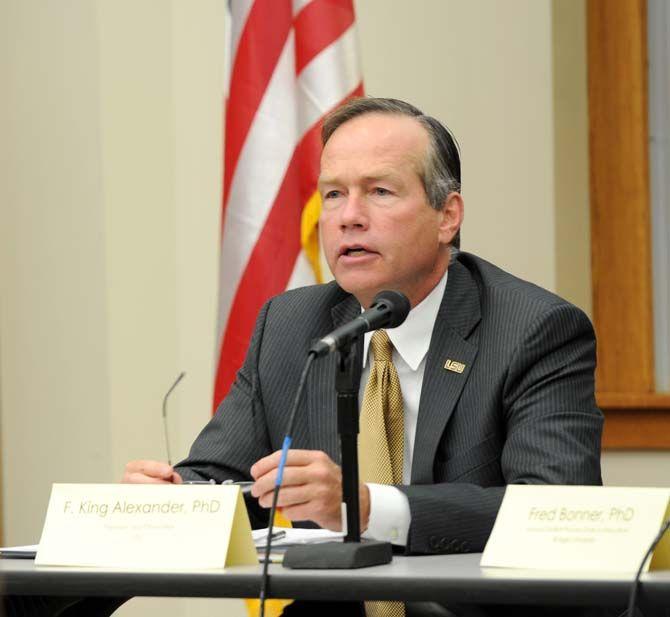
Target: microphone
point(389, 309)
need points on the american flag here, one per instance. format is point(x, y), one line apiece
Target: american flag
point(291, 62)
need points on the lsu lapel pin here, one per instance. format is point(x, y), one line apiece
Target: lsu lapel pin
point(456, 367)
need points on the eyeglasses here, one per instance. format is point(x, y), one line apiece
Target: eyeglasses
point(245, 485)
point(165, 424)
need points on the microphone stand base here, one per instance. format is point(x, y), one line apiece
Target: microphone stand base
point(338, 555)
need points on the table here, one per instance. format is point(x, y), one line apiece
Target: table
point(449, 579)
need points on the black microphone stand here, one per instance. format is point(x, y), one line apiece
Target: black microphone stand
point(352, 553)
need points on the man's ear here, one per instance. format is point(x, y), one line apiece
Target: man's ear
point(452, 217)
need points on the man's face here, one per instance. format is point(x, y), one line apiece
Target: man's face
point(378, 229)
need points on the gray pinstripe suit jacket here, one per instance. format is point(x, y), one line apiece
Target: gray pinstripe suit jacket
point(522, 412)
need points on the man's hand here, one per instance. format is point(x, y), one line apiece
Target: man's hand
point(311, 488)
point(150, 472)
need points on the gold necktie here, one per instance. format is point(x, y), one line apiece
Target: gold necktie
point(381, 440)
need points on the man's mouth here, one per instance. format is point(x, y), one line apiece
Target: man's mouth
point(355, 251)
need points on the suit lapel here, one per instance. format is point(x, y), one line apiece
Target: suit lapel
point(459, 313)
point(320, 388)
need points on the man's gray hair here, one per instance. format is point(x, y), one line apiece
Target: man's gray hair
point(441, 170)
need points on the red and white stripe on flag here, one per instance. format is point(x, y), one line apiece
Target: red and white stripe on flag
point(291, 62)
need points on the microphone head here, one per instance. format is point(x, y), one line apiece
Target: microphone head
point(397, 304)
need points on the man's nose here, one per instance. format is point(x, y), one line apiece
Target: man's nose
point(354, 212)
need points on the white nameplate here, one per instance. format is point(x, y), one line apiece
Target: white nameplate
point(591, 528)
point(140, 526)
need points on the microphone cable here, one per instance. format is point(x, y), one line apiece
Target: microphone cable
point(632, 598)
point(280, 472)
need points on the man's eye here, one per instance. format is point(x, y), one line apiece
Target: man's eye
point(331, 194)
point(378, 190)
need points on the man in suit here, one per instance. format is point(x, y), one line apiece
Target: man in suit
point(496, 374)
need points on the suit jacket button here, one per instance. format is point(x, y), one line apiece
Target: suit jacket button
point(464, 547)
point(433, 543)
point(444, 543)
point(453, 546)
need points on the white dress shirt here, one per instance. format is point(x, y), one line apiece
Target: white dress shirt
point(390, 515)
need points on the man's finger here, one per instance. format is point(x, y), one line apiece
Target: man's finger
point(293, 457)
point(293, 475)
point(156, 469)
point(151, 469)
point(289, 496)
point(140, 478)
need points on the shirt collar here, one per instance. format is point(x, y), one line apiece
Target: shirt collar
point(411, 339)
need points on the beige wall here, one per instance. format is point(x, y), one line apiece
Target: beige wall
point(109, 197)
point(571, 160)
point(111, 155)
point(484, 68)
point(53, 330)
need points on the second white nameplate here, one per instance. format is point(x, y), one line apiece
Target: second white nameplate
point(141, 526)
point(590, 528)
